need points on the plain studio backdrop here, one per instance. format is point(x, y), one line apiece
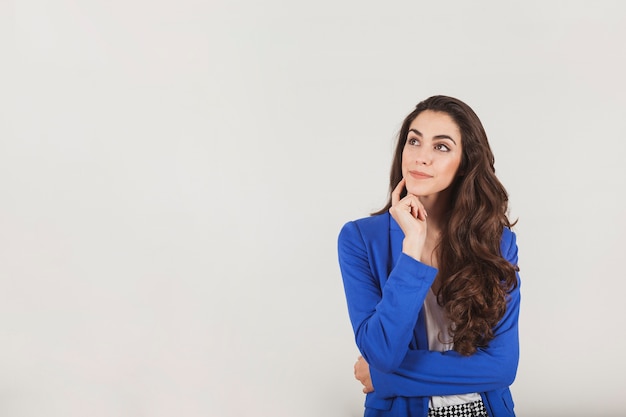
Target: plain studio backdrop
point(174, 174)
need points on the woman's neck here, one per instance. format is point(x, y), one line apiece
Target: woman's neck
point(437, 207)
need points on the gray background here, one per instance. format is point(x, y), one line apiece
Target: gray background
point(173, 176)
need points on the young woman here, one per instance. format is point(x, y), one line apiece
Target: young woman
point(431, 280)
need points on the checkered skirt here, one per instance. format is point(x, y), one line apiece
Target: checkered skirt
point(474, 409)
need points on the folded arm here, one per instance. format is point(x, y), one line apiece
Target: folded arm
point(383, 320)
point(428, 373)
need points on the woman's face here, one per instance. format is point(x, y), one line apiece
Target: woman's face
point(432, 153)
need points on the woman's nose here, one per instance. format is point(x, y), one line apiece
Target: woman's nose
point(424, 156)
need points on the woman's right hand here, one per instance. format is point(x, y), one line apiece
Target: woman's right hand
point(411, 216)
point(362, 373)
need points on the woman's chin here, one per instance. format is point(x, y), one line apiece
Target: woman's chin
point(418, 191)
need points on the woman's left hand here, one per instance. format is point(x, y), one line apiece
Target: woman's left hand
point(362, 373)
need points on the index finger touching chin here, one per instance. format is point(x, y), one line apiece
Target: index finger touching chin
point(395, 194)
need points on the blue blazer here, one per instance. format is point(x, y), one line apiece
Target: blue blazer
point(385, 291)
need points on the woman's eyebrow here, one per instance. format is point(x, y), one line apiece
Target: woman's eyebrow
point(417, 132)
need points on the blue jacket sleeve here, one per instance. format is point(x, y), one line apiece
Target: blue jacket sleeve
point(382, 319)
point(427, 373)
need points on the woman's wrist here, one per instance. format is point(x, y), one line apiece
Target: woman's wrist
point(412, 249)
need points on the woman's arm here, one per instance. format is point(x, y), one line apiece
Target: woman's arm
point(383, 320)
point(427, 373)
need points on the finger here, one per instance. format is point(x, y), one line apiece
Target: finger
point(423, 214)
point(414, 205)
point(367, 387)
point(395, 194)
point(357, 362)
point(417, 208)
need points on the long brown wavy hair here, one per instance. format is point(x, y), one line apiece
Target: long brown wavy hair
point(475, 277)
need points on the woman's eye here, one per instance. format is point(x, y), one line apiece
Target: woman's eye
point(413, 141)
point(442, 147)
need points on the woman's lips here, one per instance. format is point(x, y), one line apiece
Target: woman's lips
point(419, 175)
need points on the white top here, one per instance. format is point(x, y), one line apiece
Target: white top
point(439, 340)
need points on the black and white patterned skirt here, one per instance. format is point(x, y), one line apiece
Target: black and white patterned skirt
point(474, 409)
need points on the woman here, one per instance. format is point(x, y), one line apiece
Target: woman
point(431, 280)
